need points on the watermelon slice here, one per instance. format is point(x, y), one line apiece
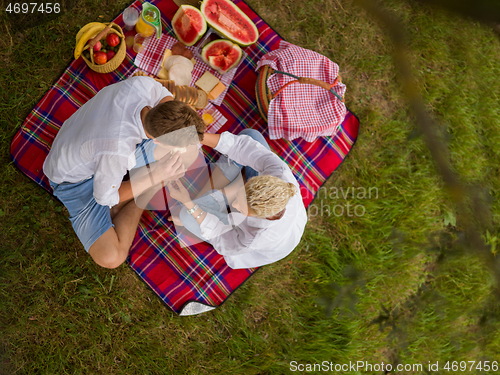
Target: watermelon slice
point(222, 55)
point(230, 21)
point(189, 24)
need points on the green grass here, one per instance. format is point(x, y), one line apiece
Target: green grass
point(396, 284)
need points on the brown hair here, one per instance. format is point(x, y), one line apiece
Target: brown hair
point(268, 195)
point(170, 116)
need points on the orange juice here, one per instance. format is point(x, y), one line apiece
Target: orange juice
point(143, 28)
point(149, 21)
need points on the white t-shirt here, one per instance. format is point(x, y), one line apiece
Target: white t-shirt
point(99, 139)
point(255, 242)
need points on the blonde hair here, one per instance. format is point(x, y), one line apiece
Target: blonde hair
point(268, 195)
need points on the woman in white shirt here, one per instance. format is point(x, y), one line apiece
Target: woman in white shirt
point(270, 215)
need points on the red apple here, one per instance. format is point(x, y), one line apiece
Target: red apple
point(97, 46)
point(100, 58)
point(112, 39)
point(110, 54)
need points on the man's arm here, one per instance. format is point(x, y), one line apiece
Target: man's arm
point(125, 191)
point(151, 176)
point(166, 99)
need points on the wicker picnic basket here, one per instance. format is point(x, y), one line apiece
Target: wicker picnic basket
point(117, 59)
point(264, 95)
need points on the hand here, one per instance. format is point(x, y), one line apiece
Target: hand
point(178, 191)
point(168, 168)
point(175, 219)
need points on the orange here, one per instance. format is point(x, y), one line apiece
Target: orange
point(207, 118)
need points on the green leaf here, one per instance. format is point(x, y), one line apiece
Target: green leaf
point(450, 219)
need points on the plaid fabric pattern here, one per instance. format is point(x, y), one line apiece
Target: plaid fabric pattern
point(150, 58)
point(176, 274)
point(302, 110)
point(218, 120)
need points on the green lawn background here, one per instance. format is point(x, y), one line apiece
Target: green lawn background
point(395, 284)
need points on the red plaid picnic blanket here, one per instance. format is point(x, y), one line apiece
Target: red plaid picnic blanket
point(179, 275)
point(303, 110)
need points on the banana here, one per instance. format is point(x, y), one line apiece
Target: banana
point(85, 28)
point(87, 34)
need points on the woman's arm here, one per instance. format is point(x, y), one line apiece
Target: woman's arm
point(246, 151)
point(179, 192)
point(210, 140)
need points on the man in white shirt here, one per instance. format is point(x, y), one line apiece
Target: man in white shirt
point(96, 147)
point(270, 216)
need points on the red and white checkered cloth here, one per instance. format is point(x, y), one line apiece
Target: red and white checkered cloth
point(218, 119)
point(303, 110)
point(151, 56)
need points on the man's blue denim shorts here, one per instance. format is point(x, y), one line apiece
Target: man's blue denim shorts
point(89, 219)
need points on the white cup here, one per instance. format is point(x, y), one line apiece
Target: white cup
point(130, 17)
point(138, 43)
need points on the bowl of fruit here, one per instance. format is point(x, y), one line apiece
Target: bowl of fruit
point(101, 45)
